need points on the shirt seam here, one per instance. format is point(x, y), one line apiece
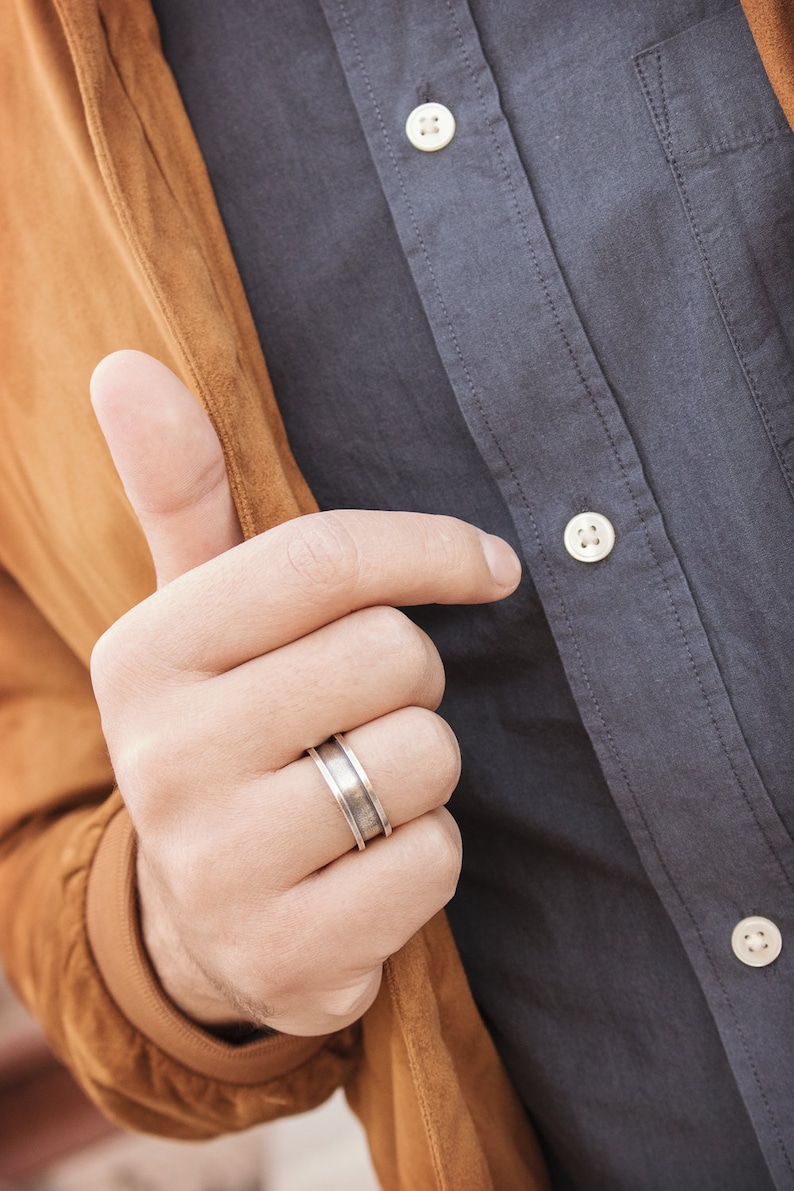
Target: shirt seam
point(602, 420)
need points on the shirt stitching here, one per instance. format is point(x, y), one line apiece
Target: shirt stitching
point(673, 161)
point(602, 420)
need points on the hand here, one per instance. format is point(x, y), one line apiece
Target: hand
point(254, 907)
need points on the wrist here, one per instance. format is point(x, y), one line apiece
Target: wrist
point(178, 974)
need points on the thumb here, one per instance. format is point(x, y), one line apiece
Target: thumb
point(169, 460)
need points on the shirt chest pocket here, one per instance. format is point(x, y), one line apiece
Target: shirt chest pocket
point(731, 154)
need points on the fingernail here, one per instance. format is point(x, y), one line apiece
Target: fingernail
point(502, 560)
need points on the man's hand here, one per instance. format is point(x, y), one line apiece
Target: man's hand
point(254, 907)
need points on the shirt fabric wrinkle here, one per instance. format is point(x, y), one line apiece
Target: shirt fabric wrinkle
point(581, 303)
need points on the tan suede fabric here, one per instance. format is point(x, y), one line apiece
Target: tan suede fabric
point(110, 238)
point(772, 25)
point(111, 921)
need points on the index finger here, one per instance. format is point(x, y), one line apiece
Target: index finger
point(310, 571)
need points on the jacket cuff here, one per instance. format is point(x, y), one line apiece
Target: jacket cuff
point(117, 946)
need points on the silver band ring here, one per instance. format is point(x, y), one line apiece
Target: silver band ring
point(351, 788)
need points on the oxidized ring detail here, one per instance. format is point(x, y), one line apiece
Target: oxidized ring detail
point(352, 789)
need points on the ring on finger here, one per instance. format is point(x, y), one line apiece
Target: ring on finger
point(352, 789)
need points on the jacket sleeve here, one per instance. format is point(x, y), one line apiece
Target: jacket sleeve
point(109, 237)
point(69, 934)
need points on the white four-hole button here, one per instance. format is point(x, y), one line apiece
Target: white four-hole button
point(429, 127)
point(589, 537)
point(756, 942)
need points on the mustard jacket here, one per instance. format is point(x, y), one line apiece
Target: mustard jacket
point(110, 238)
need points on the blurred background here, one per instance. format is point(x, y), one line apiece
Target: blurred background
point(52, 1138)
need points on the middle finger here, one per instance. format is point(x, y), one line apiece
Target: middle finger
point(265, 713)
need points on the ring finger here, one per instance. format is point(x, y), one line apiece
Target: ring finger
point(412, 760)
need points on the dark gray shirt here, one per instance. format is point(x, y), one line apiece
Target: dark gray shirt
point(582, 303)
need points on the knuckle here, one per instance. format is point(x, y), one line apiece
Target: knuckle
point(443, 854)
point(105, 662)
point(391, 634)
point(395, 638)
point(142, 774)
point(162, 776)
point(322, 552)
point(437, 750)
point(124, 658)
point(382, 626)
point(349, 1003)
point(424, 668)
point(454, 547)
